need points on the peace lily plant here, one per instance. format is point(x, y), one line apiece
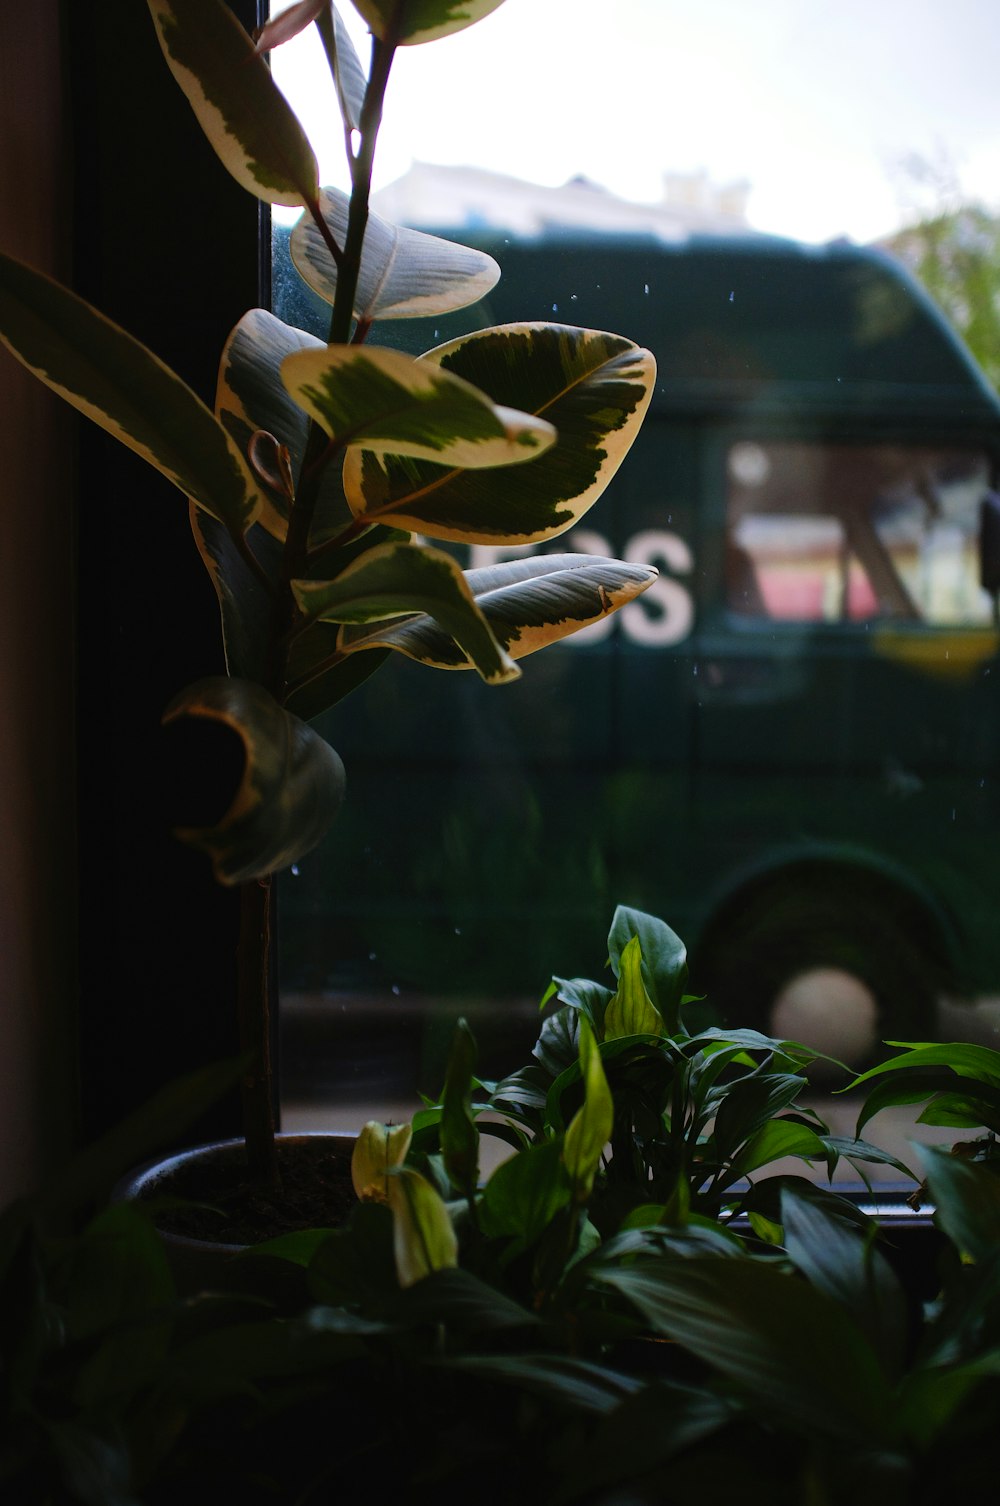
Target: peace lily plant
point(324, 468)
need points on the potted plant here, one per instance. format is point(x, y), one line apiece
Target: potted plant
point(537, 1333)
point(326, 467)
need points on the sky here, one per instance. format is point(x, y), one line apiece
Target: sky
point(817, 104)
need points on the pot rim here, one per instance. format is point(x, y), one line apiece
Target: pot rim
point(138, 1184)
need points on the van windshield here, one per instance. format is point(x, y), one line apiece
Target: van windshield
point(847, 533)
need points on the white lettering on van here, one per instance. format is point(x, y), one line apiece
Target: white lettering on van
point(662, 616)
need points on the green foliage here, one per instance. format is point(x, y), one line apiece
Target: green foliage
point(496, 1333)
point(955, 252)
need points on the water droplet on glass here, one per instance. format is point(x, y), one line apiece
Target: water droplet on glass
point(572, 297)
point(645, 288)
point(458, 930)
point(294, 870)
point(555, 308)
point(732, 298)
point(372, 956)
point(395, 989)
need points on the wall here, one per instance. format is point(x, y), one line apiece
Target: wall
point(37, 769)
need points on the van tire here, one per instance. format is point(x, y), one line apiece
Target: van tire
point(871, 938)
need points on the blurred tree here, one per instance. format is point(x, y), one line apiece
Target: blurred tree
point(953, 247)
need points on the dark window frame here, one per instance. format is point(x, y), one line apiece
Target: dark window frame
point(167, 244)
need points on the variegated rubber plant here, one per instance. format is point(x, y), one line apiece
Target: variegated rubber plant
point(324, 468)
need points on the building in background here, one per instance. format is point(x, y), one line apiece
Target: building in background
point(465, 198)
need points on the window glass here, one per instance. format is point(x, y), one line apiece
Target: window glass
point(848, 533)
point(788, 747)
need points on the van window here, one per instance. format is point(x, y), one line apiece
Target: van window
point(845, 533)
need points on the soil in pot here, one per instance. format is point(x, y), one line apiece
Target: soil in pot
point(219, 1203)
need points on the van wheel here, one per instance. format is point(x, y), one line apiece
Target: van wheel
point(839, 961)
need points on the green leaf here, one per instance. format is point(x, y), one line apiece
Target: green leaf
point(966, 1201)
point(525, 1193)
point(925, 1072)
point(459, 1136)
point(403, 23)
point(579, 1384)
point(461, 1301)
point(244, 114)
point(404, 274)
point(791, 1350)
point(113, 379)
point(978, 1062)
point(632, 1011)
point(423, 1237)
point(776, 1139)
point(664, 959)
point(593, 387)
point(590, 1128)
point(837, 1259)
point(396, 578)
point(591, 999)
point(548, 598)
point(392, 402)
point(291, 789)
point(746, 1106)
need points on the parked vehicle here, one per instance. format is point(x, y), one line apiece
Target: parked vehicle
point(788, 746)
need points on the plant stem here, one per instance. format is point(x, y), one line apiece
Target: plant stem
point(254, 977)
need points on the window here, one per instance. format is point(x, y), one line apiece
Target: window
point(841, 533)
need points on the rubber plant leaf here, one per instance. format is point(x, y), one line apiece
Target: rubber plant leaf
point(251, 399)
point(345, 66)
point(632, 1011)
point(423, 1237)
point(404, 273)
point(395, 578)
point(547, 597)
point(244, 602)
point(114, 380)
point(289, 23)
point(244, 114)
point(390, 402)
point(291, 789)
point(319, 675)
point(590, 1128)
point(404, 23)
point(664, 959)
point(594, 388)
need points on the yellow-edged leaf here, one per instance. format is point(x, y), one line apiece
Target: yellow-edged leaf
point(405, 23)
point(250, 124)
point(528, 603)
point(398, 578)
point(290, 791)
point(114, 380)
point(593, 387)
point(389, 401)
point(404, 274)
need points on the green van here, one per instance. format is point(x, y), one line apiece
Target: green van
point(788, 747)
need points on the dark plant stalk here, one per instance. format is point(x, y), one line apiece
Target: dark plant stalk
point(254, 993)
point(258, 899)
